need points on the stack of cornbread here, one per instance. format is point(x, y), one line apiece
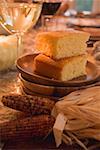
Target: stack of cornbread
point(63, 54)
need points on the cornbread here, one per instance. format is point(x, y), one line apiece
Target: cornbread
point(61, 44)
point(64, 69)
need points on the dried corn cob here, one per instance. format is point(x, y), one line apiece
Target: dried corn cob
point(36, 126)
point(28, 104)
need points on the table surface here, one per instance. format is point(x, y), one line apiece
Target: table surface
point(32, 144)
point(9, 83)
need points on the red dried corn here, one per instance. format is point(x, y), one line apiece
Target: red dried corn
point(36, 126)
point(29, 104)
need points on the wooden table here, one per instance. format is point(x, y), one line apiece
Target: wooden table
point(8, 84)
point(32, 144)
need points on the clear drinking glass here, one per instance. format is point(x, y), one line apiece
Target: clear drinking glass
point(50, 23)
point(18, 17)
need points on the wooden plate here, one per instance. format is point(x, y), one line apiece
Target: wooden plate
point(26, 91)
point(46, 90)
point(25, 65)
point(84, 22)
point(53, 91)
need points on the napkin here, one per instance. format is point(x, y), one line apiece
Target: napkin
point(8, 51)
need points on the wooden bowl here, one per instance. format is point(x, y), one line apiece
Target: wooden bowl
point(44, 90)
point(24, 90)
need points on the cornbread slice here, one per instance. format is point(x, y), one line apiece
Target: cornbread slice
point(61, 44)
point(64, 69)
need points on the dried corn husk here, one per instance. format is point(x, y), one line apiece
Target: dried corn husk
point(82, 110)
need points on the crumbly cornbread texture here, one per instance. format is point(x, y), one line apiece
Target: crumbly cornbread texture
point(64, 69)
point(61, 44)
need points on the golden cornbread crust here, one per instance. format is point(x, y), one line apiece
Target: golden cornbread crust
point(62, 44)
